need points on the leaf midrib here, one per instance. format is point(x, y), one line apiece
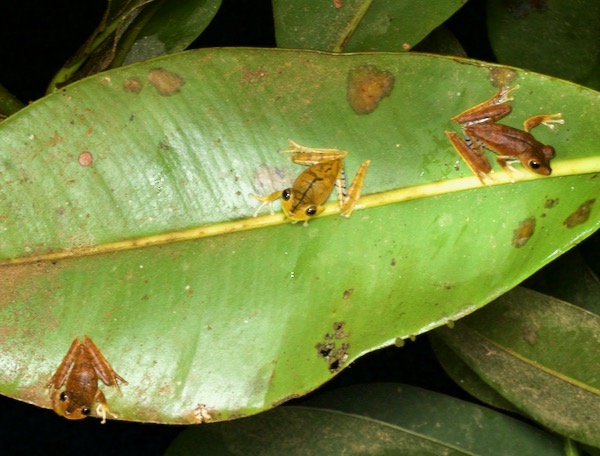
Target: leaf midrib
point(563, 168)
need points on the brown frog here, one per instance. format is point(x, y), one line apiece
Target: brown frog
point(511, 144)
point(79, 372)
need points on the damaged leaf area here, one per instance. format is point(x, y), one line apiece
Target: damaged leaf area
point(125, 215)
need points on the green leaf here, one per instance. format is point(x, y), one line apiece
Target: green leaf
point(125, 216)
point(170, 27)
point(136, 30)
point(384, 418)
point(570, 278)
point(553, 37)
point(358, 25)
point(466, 378)
point(539, 353)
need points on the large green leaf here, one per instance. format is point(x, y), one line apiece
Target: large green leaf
point(125, 216)
point(379, 418)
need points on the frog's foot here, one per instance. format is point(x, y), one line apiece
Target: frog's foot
point(506, 163)
point(503, 95)
point(266, 200)
point(102, 410)
point(549, 120)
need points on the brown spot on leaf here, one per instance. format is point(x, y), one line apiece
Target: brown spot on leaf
point(85, 158)
point(367, 86)
point(335, 355)
point(133, 85)
point(581, 214)
point(338, 3)
point(524, 231)
point(502, 77)
point(249, 76)
point(165, 82)
point(550, 203)
point(55, 139)
point(348, 293)
point(529, 335)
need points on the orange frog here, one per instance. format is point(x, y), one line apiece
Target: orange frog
point(79, 372)
point(305, 198)
point(511, 144)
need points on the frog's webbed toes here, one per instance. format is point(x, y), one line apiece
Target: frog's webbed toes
point(265, 201)
point(102, 410)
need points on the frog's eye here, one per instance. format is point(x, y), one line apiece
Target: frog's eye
point(533, 164)
point(85, 411)
point(311, 210)
point(64, 396)
point(286, 194)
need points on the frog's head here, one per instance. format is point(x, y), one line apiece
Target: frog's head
point(70, 405)
point(540, 162)
point(294, 207)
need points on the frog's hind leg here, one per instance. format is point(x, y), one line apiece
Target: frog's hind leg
point(349, 199)
point(549, 120)
point(473, 155)
point(102, 367)
point(310, 156)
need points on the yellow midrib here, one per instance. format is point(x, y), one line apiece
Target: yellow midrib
point(560, 169)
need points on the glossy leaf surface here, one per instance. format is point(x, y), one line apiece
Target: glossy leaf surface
point(100, 180)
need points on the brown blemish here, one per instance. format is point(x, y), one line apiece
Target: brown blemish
point(55, 139)
point(338, 3)
point(522, 234)
point(335, 356)
point(581, 214)
point(348, 293)
point(367, 86)
point(406, 46)
point(550, 203)
point(165, 82)
point(85, 158)
point(132, 85)
point(529, 335)
point(201, 414)
point(502, 77)
point(338, 326)
point(250, 76)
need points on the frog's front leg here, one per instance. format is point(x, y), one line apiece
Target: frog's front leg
point(267, 200)
point(349, 199)
point(549, 120)
point(102, 367)
point(102, 408)
point(473, 156)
